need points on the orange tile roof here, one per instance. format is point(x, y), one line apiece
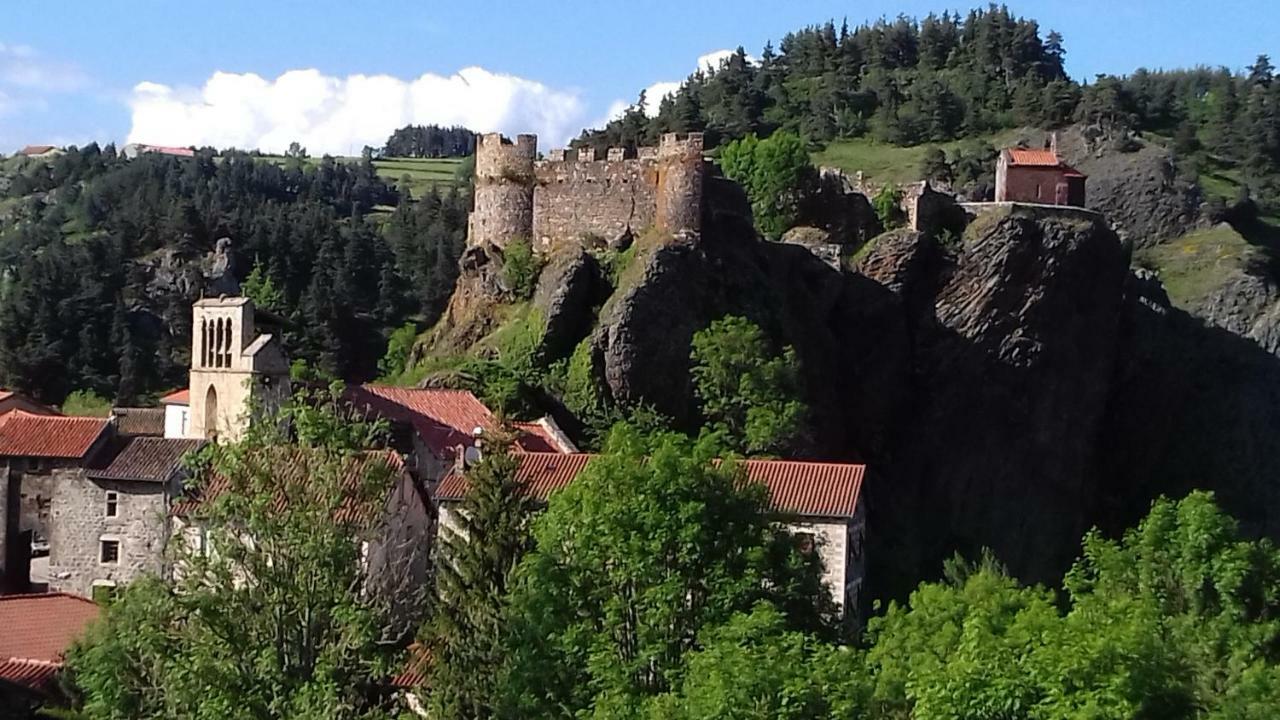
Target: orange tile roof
point(177, 397)
point(534, 437)
point(23, 434)
point(415, 668)
point(31, 674)
point(41, 627)
point(795, 488)
point(1037, 158)
point(444, 419)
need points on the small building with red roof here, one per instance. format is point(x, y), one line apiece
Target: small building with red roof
point(434, 427)
point(39, 629)
point(820, 503)
point(1038, 176)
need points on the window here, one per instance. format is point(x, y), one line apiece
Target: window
point(113, 502)
point(805, 543)
point(104, 592)
point(109, 552)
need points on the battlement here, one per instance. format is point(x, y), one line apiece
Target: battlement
point(575, 193)
point(680, 145)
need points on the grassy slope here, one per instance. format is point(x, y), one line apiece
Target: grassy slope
point(1191, 266)
point(889, 163)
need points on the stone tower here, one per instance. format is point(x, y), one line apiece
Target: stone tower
point(504, 189)
point(680, 174)
point(233, 369)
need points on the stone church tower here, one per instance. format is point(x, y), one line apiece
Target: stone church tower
point(233, 369)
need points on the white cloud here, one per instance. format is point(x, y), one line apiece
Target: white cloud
point(336, 115)
point(654, 94)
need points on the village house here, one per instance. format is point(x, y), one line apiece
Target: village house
point(10, 400)
point(133, 150)
point(35, 450)
point(40, 151)
point(820, 503)
point(38, 631)
point(433, 427)
point(110, 521)
point(395, 533)
point(1038, 176)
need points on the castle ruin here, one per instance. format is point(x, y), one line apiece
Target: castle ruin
point(573, 194)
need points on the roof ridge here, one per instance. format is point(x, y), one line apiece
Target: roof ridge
point(48, 594)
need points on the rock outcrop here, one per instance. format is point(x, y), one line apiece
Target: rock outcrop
point(1009, 390)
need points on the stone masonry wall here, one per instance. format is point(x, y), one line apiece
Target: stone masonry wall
point(584, 196)
point(79, 523)
point(575, 193)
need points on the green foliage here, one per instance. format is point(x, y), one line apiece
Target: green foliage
point(337, 252)
point(748, 394)
point(399, 347)
point(520, 267)
point(887, 204)
point(86, 402)
point(650, 545)
point(777, 175)
point(260, 288)
point(754, 668)
point(1176, 620)
point(295, 623)
point(934, 165)
point(468, 631)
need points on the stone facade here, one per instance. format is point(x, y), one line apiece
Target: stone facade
point(572, 193)
point(80, 524)
point(233, 369)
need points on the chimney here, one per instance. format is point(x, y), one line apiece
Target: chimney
point(1053, 142)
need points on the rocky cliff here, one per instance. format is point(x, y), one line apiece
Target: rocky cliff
point(1009, 390)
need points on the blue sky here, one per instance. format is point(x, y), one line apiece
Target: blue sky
point(226, 72)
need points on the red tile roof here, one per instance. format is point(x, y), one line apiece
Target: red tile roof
point(36, 149)
point(1027, 157)
point(144, 458)
point(177, 397)
point(293, 467)
point(415, 668)
point(444, 419)
point(795, 488)
point(536, 437)
point(41, 627)
point(23, 434)
point(31, 674)
point(1038, 158)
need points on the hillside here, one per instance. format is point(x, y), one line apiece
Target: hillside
point(419, 176)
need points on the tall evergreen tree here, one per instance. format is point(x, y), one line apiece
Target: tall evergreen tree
point(468, 629)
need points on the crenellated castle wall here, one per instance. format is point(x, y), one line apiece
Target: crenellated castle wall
point(575, 193)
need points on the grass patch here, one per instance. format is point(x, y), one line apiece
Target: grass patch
point(886, 163)
point(1194, 265)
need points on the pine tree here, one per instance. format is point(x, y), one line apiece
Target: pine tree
point(478, 552)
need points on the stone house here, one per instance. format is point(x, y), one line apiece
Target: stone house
point(35, 450)
point(821, 503)
point(110, 520)
point(434, 427)
point(395, 534)
point(1038, 176)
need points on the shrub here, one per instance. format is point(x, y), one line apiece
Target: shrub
point(87, 403)
point(520, 267)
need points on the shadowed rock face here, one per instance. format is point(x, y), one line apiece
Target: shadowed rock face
point(1008, 392)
